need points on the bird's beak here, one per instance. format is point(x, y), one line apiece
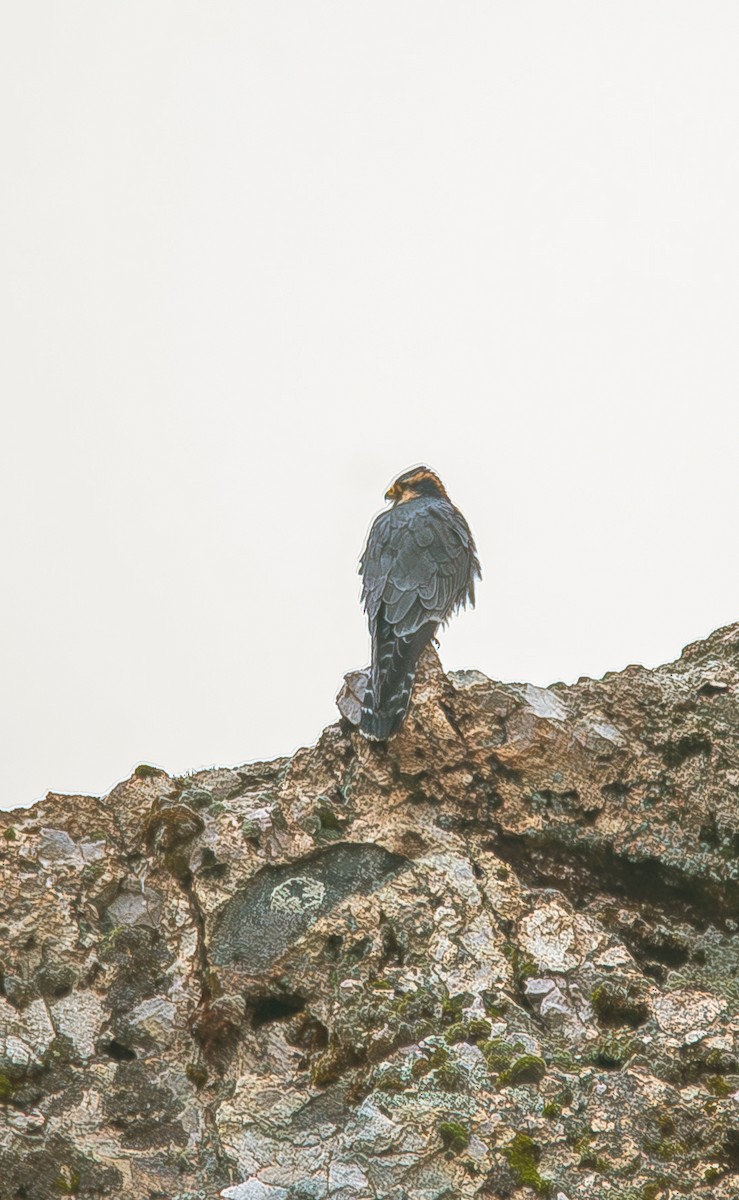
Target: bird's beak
point(392, 492)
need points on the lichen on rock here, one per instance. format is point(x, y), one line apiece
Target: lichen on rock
point(496, 957)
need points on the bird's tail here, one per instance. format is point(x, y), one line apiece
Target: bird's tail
point(394, 661)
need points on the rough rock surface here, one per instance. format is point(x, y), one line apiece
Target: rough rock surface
point(496, 958)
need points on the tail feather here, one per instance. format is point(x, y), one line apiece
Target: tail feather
point(394, 662)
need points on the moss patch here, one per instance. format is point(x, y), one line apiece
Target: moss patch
point(146, 771)
point(468, 1031)
point(615, 1006)
point(522, 1156)
point(527, 1069)
point(453, 1007)
point(495, 1006)
point(612, 1051)
point(196, 1074)
point(422, 1066)
point(498, 1054)
point(719, 1086)
point(522, 966)
point(390, 1080)
point(91, 872)
point(454, 1137)
point(67, 1182)
point(593, 1162)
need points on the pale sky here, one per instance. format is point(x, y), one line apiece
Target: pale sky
point(258, 259)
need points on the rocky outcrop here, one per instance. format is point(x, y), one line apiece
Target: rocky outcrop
point(495, 958)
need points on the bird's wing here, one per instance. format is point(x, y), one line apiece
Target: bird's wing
point(419, 565)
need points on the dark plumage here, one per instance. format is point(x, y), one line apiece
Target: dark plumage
point(419, 566)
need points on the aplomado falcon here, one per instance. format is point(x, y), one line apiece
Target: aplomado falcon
point(419, 566)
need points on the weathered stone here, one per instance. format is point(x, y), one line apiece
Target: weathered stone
point(351, 695)
point(495, 957)
point(280, 903)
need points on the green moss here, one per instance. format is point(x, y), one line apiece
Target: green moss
point(594, 1162)
point(529, 1068)
point(699, 1061)
point(522, 1156)
point(91, 872)
point(665, 1149)
point(495, 1006)
point(9, 834)
point(329, 824)
point(551, 1110)
point(145, 771)
point(7, 1087)
point(390, 1080)
point(579, 1138)
point(719, 1086)
point(439, 1057)
point(712, 1173)
point(333, 1063)
point(67, 1184)
point(651, 1191)
point(611, 1051)
point(522, 966)
point(615, 1005)
point(718, 1060)
point(456, 1033)
point(473, 1031)
point(478, 1029)
point(453, 1007)
point(418, 1005)
point(422, 1066)
point(196, 1074)
point(498, 1054)
point(566, 1062)
point(58, 1053)
point(454, 1137)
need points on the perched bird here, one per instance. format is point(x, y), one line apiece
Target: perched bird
point(418, 567)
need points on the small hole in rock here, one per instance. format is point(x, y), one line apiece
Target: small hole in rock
point(275, 1008)
point(334, 942)
point(713, 689)
point(118, 1051)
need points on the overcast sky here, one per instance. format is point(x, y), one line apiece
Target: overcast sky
point(259, 258)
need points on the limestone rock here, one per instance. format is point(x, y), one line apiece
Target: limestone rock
point(496, 957)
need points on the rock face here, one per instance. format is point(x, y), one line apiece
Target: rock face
point(496, 958)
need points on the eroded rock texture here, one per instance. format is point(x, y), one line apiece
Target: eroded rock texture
point(496, 958)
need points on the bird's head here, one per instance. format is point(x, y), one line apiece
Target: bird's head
point(419, 481)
